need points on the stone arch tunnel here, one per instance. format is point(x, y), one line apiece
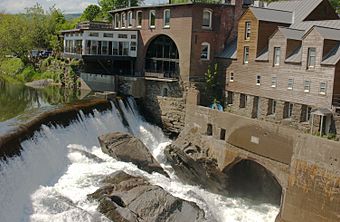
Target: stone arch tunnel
point(249, 179)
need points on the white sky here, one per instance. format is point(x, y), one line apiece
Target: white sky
point(67, 6)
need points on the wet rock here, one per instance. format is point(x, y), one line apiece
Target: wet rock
point(189, 158)
point(125, 198)
point(127, 148)
point(40, 83)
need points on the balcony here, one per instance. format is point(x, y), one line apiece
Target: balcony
point(95, 26)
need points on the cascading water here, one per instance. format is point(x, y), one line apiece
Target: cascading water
point(59, 166)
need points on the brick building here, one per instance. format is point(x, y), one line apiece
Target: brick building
point(285, 65)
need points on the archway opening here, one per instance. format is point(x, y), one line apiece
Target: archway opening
point(248, 179)
point(162, 59)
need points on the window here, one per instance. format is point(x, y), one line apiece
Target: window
point(139, 19)
point(274, 82)
point(108, 35)
point(152, 19)
point(166, 18)
point(323, 87)
point(230, 99)
point(277, 56)
point(123, 20)
point(105, 48)
point(130, 19)
point(258, 80)
point(246, 55)
point(133, 46)
point(290, 84)
point(205, 51)
point(311, 58)
point(305, 113)
point(306, 86)
point(271, 107)
point(209, 129)
point(206, 23)
point(222, 134)
point(243, 100)
point(117, 20)
point(288, 110)
point(122, 36)
point(133, 36)
point(115, 48)
point(94, 34)
point(165, 92)
point(247, 31)
point(231, 77)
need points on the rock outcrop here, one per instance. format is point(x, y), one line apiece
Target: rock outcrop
point(127, 148)
point(126, 198)
point(190, 159)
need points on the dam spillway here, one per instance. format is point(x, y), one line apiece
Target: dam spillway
point(59, 166)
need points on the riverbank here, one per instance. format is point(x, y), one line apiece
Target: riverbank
point(61, 72)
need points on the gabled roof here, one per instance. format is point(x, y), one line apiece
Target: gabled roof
point(290, 33)
point(333, 57)
point(272, 15)
point(229, 52)
point(300, 8)
point(296, 56)
point(328, 33)
point(309, 24)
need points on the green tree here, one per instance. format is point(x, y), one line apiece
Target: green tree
point(212, 86)
point(91, 12)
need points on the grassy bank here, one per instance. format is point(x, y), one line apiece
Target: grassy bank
point(63, 72)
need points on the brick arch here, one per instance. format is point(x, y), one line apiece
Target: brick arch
point(168, 63)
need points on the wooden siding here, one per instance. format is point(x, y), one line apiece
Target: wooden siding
point(245, 75)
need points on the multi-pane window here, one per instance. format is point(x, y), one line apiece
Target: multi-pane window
point(205, 51)
point(305, 113)
point(258, 80)
point(290, 84)
point(133, 46)
point(108, 35)
point(247, 31)
point(274, 81)
point(311, 58)
point(105, 48)
point(166, 18)
point(115, 48)
point(288, 110)
point(277, 56)
point(94, 34)
point(243, 100)
point(231, 77)
point(246, 55)
point(271, 107)
point(139, 19)
point(207, 14)
point(230, 99)
point(130, 19)
point(323, 87)
point(152, 19)
point(123, 22)
point(117, 20)
point(306, 86)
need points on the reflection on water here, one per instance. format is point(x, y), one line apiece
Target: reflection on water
point(17, 99)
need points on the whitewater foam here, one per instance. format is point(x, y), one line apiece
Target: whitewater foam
point(59, 166)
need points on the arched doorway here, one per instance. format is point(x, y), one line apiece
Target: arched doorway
point(249, 179)
point(162, 59)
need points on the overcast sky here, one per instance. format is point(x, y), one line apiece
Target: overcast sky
point(68, 6)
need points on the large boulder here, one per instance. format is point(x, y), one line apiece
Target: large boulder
point(125, 198)
point(190, 159)
point(127, 148)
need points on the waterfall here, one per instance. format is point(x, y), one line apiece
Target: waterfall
point(59, 166)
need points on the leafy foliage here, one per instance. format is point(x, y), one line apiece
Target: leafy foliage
point(108, 5)
point(91, 13)
point(212, 86)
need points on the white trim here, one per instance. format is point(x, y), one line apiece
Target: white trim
point(152, 11)
point(210, 18)
point(123, 20)
point(139, 25)
point(164, 13)
point(130, 19)
point(208, 51)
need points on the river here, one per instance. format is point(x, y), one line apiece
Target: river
point(56, 170)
